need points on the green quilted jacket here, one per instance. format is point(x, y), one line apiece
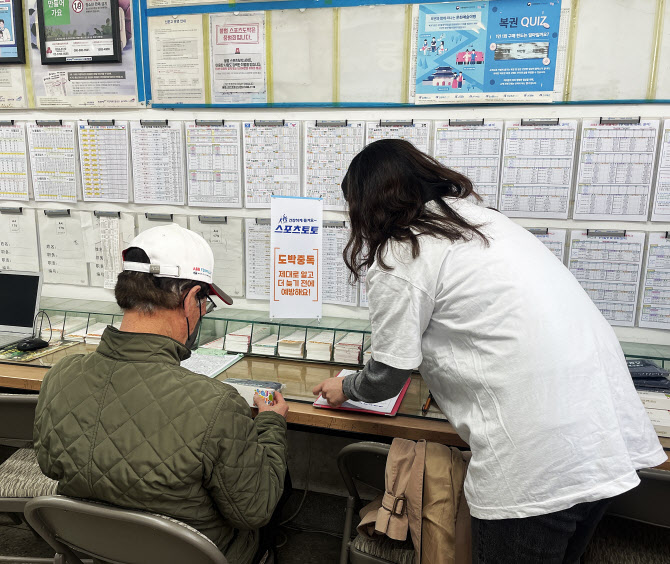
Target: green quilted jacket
point(128, 426)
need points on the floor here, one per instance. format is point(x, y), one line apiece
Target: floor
point(313, 537)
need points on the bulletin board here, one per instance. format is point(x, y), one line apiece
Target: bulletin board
point(344, 53)
point(352, 53)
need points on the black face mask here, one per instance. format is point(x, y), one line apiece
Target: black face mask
point(193, 336)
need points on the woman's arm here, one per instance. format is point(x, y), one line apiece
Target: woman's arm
point(376, 382)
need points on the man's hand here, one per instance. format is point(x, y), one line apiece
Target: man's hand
point(279, 405)
point(331, 390)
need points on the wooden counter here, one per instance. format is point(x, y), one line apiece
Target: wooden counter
point(299, 378)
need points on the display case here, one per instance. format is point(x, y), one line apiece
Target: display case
point(330, 339)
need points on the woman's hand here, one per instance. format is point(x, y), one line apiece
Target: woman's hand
point(331, 390)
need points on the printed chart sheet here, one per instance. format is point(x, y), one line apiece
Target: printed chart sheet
point(472, 150)
point(418, 133)
point(18, 241)
point(104, 239)
point(62, 249)
point(158, 164)
point(553, 239)
point(328, 153)
point(214, 165)
point(608, 268)
point(537, 169)
point(257, 255)
point(656, 288)
point(104, 162)
point(336, 286)
point(363, 291)
point(616, 165)
point(52, 162)
point(661, 208)
point(224, 236)
point(271, 162)
point(13, 163)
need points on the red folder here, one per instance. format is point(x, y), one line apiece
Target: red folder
point(389, 409)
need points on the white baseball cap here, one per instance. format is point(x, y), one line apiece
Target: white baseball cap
point(175, 252)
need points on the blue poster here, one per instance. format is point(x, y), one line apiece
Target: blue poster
point(8, 43)
point(487, 51)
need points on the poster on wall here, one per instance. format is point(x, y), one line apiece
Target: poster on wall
point(86, 84)
point(488, 51)
point(11, 32)
point(237, 49)
point(79, 31)
point(177, 59)
point(296, 244)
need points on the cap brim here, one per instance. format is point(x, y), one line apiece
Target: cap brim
point(215, 290)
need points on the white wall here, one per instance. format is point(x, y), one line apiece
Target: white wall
point(530, 111)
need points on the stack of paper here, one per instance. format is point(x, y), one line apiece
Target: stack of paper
point(94, 333)
point(56, 332)
point(209, 365)
point(90, 336)
point(348, 348)
point(320, 347)
point(240, 339)
point(215, 344)
point(293, 346)
point(660, 419)
point(266, 346)
point(367, 355)
point(657, 404)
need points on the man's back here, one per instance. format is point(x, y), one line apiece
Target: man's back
point(129, 426)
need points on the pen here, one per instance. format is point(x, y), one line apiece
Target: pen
point(426, 405)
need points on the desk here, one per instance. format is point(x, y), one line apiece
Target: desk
point(299, 378)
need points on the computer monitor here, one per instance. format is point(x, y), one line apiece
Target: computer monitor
point(19, 300)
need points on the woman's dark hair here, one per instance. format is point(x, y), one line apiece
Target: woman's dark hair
point(387, 186)
point(145, 292)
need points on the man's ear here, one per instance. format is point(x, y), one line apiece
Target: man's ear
point(190, 301)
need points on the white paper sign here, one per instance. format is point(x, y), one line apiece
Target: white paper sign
point(237, 49)
point(296, 254)
point(18, 241)
point(62, 249)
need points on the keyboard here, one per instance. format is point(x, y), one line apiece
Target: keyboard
point(9, 339)
point(646, 369)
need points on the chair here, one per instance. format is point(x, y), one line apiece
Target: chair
point(116, 536)
point(17, 415)
point(365, 462)
point(20, 475)
point(648, 502)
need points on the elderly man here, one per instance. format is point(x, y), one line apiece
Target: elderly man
point(128, 426)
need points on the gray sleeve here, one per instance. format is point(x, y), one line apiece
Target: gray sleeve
point(376, 382)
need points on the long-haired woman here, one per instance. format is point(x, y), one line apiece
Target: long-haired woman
point(515, 353)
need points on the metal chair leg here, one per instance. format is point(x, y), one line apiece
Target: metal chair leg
point(346, 535)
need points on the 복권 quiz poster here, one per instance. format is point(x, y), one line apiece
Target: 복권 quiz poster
point(489, 51)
